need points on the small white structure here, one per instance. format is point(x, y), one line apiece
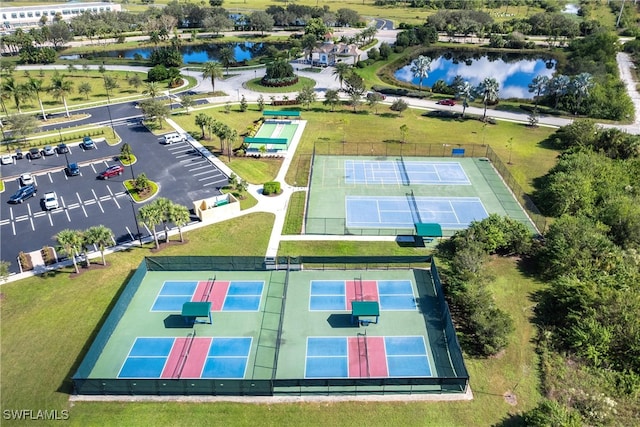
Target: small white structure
point(216, 208)
point(34, 16)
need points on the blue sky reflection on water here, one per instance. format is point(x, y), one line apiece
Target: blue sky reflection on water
point(513, 77)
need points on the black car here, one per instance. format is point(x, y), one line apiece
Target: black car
point(18, 154)
point(23, 193)
point(62, 148)
point(34, 153)
point(72, 170)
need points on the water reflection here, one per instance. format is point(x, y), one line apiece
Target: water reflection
point(513, 72)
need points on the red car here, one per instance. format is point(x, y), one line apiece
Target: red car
point(447, 102)
point(111, 171)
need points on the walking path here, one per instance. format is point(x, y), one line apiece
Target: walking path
point(277, 205)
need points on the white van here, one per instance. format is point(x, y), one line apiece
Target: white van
point(170, 138)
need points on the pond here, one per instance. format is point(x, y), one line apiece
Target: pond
point(192, 54)
point(513, 72)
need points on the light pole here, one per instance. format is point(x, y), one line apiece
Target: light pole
point(104, 79)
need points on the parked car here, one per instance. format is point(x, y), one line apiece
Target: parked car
point(447, 102)
point(51, 200)
point(170, 138)
point(72, 169)
point(48, 150)
point(34, 153)
point(62, 148)
point(87, 143)
point(370, 94)
point(23, 193)
point(111, 171)
point(6, 159)
point(19, 154)
point(26, 179)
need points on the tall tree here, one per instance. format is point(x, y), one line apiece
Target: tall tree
point(488, 90)
point(179, 215)
point(580, 87)
point(420, 68)
point(341, 70)
point(537, 86)
point(155, 109)
point(60, 89)
point(71, 243)
point(150, 216)
point(14, 90)
point(202, 120)
point(307, 96)
point(465, 92)
point(558, 87)
point(152, 89)
point(261, 21)
point(227, 57)
point(213, 71)
point(331, 98)
point(36, 86)
point(100, 236)
point(308, 44)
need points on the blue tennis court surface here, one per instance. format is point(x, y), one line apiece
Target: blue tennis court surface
point(388, 356)
point(225, 295)
point(386, 172)
point(207, 358)
point(335, 295)
point(404, 212)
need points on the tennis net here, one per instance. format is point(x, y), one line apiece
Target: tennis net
point(363, 355)
point(208, 289)
point(415, 211)
point(177, 372)
point(403, 171)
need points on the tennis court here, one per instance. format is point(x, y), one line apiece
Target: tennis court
point(404, 212)
point(369, 195)
point(403, 172)
point(307, 328)
point(365, 356)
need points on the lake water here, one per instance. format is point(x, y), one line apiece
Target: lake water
point(513, 72)
point(194, 54)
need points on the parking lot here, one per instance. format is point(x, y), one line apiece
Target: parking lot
point(182, 174)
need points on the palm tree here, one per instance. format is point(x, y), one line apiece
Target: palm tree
point(203, 121)
point(341, 71)
point(227, 57)
point(163, 205)
point(420, 68)
point(101, 236)
point(212, 70)
point(580, 86)
point(488, 89)
point(70, 241)
point(152, 89)
point(558, 86)
point(150, 216)
point(464, 91)
point(179, 215)
point(60, 88)
point(36, 86)
point(308, 44)
point(537, 85)
point(14, 90)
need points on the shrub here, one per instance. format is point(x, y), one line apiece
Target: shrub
point(25, 261)
point(158, 73)
point(271, 187)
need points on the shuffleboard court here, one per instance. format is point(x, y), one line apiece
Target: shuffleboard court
point(386, 172)
point(365, 356)
point(404, 212)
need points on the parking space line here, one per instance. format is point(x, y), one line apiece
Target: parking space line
point(39, 214)
point(129, 231)
point(11, 212)
point(184, 155)
point(50, 178)
point(21, 218)
point(198, 168)
point(207, 172)
point(82, 206)
point(13, 227)
point(206, 178)
point(4, 222)
point(50, 219)
point(66, 209)
point(210, 183)
point(33, 228)
point(97, 200)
